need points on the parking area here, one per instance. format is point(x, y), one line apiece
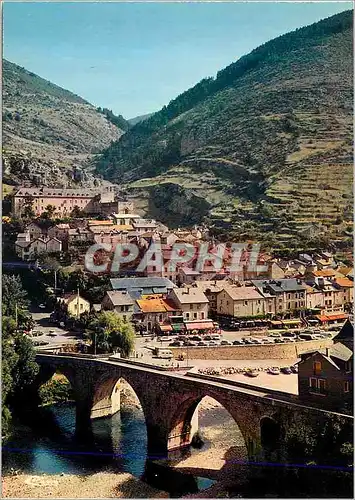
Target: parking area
point(46, 334)
point(236, 338)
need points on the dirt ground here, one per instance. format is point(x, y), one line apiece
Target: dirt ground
point(216, 460)
point(100, 485)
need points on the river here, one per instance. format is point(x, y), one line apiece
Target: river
point(44, 443)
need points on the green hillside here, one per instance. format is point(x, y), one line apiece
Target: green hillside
point(49, 128)
point(262, 150)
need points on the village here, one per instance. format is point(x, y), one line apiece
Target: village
point(310, 289)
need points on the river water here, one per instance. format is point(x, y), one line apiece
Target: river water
point(43, 442)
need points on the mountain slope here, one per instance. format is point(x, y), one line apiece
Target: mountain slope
point(48, 128)
point(140, 118)
point(264, 148)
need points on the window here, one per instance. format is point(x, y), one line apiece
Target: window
point(313, 383)
point(202, 315)
point(195, 315)
point(317, 367)
point(289, 305)
point(346, 386)
point(187, 315)
point(81, 307)
point(245, 302)
point(348, 366)
point(317, 385)
point(191, 307)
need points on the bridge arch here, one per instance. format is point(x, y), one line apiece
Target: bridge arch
point(184, 425)
point(107, 394)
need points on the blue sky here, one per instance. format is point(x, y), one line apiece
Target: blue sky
point(136, 57)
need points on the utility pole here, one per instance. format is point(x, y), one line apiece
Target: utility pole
point(77, 304)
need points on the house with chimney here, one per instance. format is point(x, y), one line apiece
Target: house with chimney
point(325, 376)
point(72, 304)
point(154, 311)
point(120, 302)
point(289, 293)
point(28, 249)
point(240, 301)
point(191, 301)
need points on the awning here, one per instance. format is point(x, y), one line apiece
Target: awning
point(178, 327)
point(336, 317)
point(276, 323)
point(206, 325)
point(166, 328)
point(291, 321)
point(322, 318)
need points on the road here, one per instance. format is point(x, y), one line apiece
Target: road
point(60, 336)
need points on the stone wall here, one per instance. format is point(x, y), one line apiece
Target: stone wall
point(273, 351)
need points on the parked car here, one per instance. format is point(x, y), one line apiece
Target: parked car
point(226, 342)
point(238, 342)
point(202, 343)
point(176, 343)
point(38, 343)
point(286, 370)
point(52, 334)
point(195, 337)
point(215, 337)
point(189, 343)
point(305, 336)
point(208, 337)
point(251, 373)
point(267, 340)
point(234, 327)
point(274, 370)
point(288, 334)
point(256, 341)
point(279, 341)
point(213, 343)
point(275, 334)
point(294, 368)
point(42, 306)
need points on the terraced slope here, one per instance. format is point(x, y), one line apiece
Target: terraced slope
point(261, 151)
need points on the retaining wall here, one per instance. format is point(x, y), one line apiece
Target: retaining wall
point(273, 351)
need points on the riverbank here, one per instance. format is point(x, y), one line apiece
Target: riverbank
point(99, 485)
point(223, 444)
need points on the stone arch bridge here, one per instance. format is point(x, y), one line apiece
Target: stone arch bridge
point(169, 401)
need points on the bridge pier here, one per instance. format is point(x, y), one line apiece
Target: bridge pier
point(83, 428)
point(107, 405)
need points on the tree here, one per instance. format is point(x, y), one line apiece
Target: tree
point(26, 368)
point(108, 331)
point(13, 295)
point(76, 213)
point(28, 212)
point(49, 212)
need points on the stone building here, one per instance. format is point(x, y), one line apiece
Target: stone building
point(325, 376)
point(191, 301)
